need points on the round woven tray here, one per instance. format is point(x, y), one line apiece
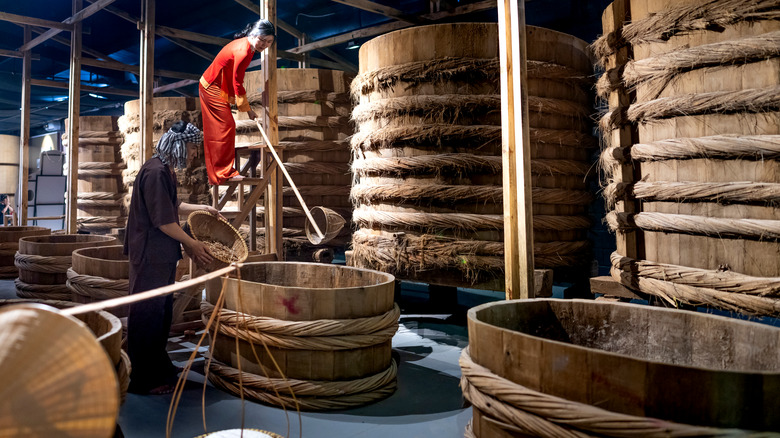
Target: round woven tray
point(208, 228)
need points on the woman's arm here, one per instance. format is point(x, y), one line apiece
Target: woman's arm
point(185, 209)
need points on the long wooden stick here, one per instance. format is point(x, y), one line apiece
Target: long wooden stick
point(160, 291)
point(289, 180)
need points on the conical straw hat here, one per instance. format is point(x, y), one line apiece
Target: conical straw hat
point(55, 378)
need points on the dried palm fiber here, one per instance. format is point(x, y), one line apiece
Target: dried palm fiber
point(314, 125)
point(104, 327)
point(43, 262)
point(662, 69)
point(193, 180)
point(696, 185)
point(514, 408)
point(9, 245)
point(99, 274)
point(402, 253)
point(684, 18)
point(337, 356)
point(100, 187)
point(427, 150)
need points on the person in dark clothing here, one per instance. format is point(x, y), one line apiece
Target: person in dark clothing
point(5, 208)
point(153, 242)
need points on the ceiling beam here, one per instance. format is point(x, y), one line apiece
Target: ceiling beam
point(190, 36)
point(389, 27)
point(15, 54)
point(345, 63)
point(21, 19)
point(77, 17)
point(61, 84)
point(174, 86)
point(192, 48)
point(66, 42)
point(116, 65)
point(279, 23)
point(377, 8)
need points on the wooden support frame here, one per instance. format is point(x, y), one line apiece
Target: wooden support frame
point(21, 19)
point(74, 110)
point(380, 9)
point(17, 54)
point(516, 151)
point(146, 83)
point(24, 135)
point(65, 85)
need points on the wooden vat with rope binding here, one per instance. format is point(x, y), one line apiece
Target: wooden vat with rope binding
point(100, 189)
point(9, 244)
point(552, 368)
point(320, 332)
point(43, 263)
point(692, 154)
point(314, 108)
point(427, 162)
point(100, 273)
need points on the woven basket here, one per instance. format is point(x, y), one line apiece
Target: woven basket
point(333, 225)
point(208, 228)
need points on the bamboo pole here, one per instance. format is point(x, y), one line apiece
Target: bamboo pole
point(290, 180)
point(146, 82)
point(516, 152)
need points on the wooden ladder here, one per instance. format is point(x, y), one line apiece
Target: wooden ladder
point(256, 173)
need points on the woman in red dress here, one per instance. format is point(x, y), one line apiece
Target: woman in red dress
point(221, 85)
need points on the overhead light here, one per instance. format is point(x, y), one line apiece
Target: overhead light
point(352, 45)
point(97, 96)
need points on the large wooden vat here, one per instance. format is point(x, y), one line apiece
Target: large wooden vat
point(328, 325)
point(43, 263)
point(9, 244)
point(314, 109)
point(100, 189)
point(692, 158)
point(100, 273)
point(193, 180)
point(585, 368)
point(107, 329)
point(427, 152)
point(9, 164)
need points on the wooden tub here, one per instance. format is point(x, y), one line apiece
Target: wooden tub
point(698, 371)
point(291, 298)
point(100, 273)
point(9, 244)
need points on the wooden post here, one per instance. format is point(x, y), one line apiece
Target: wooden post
point(74, 109)
point(273, 195)
point(24, 134)
point(147, 80)
point(516, 152)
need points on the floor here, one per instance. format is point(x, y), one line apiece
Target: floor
point(428, 402)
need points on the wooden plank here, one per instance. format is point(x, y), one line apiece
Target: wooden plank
point(516, 152)
point(75, 18)
point(191, 47)
point(147, 80)
point(24, 135)
point(74, 110)
point(461, 10)
point(380, 9)
point(251, 201)
point(120, 66)
point(608, 286)
point(21, 19)
point(66, 42)
point(17, 54)
point(64, 85)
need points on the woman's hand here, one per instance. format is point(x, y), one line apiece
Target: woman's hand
point(252, 115)
point(213, 211)
point(199, 252)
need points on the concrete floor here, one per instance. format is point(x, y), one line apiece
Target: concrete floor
point(428, 402)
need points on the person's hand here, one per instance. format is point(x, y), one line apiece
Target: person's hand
point(213, 211)
point(252, 115)
point(199, 252)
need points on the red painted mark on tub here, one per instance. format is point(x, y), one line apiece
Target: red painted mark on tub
point(289, 303)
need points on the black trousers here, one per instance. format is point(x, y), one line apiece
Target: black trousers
point(148, 325)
